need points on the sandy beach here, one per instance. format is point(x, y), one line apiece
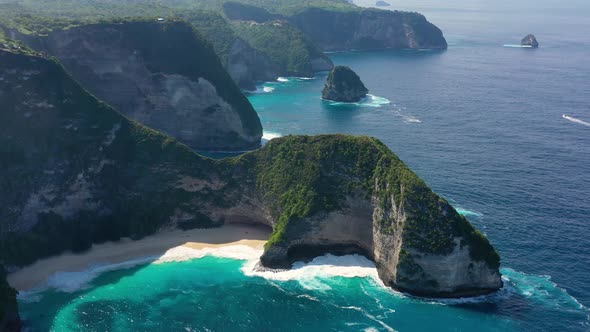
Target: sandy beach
point(124, 250)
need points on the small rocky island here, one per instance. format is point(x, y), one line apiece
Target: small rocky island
point(530, 40)
point(344, 85)
point(381, 3)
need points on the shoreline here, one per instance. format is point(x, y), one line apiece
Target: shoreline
point(35, 275)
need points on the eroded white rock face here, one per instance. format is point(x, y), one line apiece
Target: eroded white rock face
point(457, 270)
point(188, 108)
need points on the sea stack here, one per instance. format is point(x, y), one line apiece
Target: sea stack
point(530, 40)
point(344, 85)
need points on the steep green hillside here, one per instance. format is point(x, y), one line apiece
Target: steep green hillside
point(286, 46)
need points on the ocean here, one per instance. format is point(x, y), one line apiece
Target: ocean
point(501, 132)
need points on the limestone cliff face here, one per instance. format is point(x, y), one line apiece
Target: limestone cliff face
point(423, 262)
point(368, 29)
point(76, 172)
point(161, 75)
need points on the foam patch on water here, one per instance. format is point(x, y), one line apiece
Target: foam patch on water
point(407, 118)
point(540, 288)
point(69, 282)
point(368, 101)
point(517, 46)
point(268, 135)
point(535, 288)
point(371, 317)
point(327, 266)
point(467, 213)
point(575, 120)
point(282, 79)
point(261, 89)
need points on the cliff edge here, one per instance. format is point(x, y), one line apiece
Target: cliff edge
point(163, 75)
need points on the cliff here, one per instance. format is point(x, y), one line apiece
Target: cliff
point(302, 29)
point(366, 29)
point(344, 85)
point(290, 51)
point(149, 71)
point(245, 64)
point(340, 194)
point(76, 172)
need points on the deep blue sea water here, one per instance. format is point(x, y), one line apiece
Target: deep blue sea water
point(482, 123)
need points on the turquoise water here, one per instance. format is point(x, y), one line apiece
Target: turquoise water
point(214, 294)
point(483, 124)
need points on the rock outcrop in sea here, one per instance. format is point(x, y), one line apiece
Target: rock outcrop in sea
point(344, 85)
point(530, 40)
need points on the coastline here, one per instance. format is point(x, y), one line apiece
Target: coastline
point(35, 275)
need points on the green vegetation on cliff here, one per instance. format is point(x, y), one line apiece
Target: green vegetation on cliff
point(63, 148)
point(286, 46)
point(299, 176)
point(90, 175)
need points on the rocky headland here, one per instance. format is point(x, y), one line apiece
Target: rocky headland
point(344, 85)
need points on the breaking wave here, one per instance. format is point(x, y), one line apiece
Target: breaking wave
point(369, 101)
point(268, 135)
point(309, 274)
point(467, 213)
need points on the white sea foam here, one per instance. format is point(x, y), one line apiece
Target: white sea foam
point(517, 46)
point(574, 120)
point(268, 135)
point(282, 79)
point(467, 213)
point(371, 317)
point(308, 274)
point(398, 111)
point(261, 89)
point(368, 101)
point(72, 281)
point(540, 288)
